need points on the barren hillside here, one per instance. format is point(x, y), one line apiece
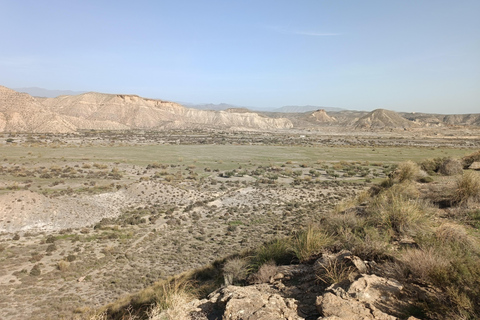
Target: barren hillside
point(322, 116)
point(91, 110)
point(381, 118)
point(19, 112)
point(22, 112)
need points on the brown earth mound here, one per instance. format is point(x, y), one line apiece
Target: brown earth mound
point(381, 118)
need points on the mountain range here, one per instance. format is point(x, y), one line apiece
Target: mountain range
point(21, 112)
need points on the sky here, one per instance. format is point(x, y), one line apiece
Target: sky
point(402, 55)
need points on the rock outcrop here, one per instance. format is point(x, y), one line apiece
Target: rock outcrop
point(295, 293)
point(322, 116)
point(247, 303)
point(359, 300)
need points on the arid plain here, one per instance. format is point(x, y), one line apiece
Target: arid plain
point(94, 208)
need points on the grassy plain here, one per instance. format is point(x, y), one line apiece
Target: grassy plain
point(222, 156)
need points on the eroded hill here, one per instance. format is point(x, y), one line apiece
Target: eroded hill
point(19, 112)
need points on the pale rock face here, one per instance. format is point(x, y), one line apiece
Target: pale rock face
point(249, 303)
point(20, 112)
point(30, 211)
point(360, 300)
point(322, 116)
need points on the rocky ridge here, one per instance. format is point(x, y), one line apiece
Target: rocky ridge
point(20, 112)
point(381, 118)
point(294, 292)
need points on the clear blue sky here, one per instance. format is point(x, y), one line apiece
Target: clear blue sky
point(403, 55)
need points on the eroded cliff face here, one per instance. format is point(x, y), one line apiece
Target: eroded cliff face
point(20, 112)
point(322, 116)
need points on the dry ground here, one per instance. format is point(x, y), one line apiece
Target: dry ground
point(105, 218)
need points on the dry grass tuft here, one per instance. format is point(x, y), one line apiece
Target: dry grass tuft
point(310, 242)
point(235, 270)
point(467, 188)
point(454, 235)
point(407, 171)
point(396, 211)
point(425, 265)
point(264, 273)
point(171, 302)
point(450, 167)
point(334, 271)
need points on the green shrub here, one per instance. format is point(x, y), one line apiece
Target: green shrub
point(277, 250)
point(310, 242)
point(397, 211)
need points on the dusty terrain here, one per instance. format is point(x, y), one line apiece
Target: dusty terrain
point(105, 214)
point(101, 195)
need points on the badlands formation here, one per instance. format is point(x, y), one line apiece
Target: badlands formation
point(109, 201)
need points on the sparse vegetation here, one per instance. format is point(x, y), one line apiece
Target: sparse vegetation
point(407, 171)
point(235, 270)
point(467, 188)
point(310, 242)
point(179, 215)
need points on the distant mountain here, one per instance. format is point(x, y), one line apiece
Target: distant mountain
point(381, 118)
point(45, 93)
point(301, 109)
point(20, 112)
point(211, 106)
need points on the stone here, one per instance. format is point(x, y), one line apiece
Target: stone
point(358, 300)
point(371, 288)
point(256, 303)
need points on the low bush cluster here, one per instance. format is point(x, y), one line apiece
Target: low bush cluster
point(442, 255)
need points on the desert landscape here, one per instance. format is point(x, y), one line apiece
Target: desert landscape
point(108, 201)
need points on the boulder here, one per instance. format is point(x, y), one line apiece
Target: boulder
point(256, 302)
point(360, 300)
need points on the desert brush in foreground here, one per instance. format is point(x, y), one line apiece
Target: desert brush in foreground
point(394, 233)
